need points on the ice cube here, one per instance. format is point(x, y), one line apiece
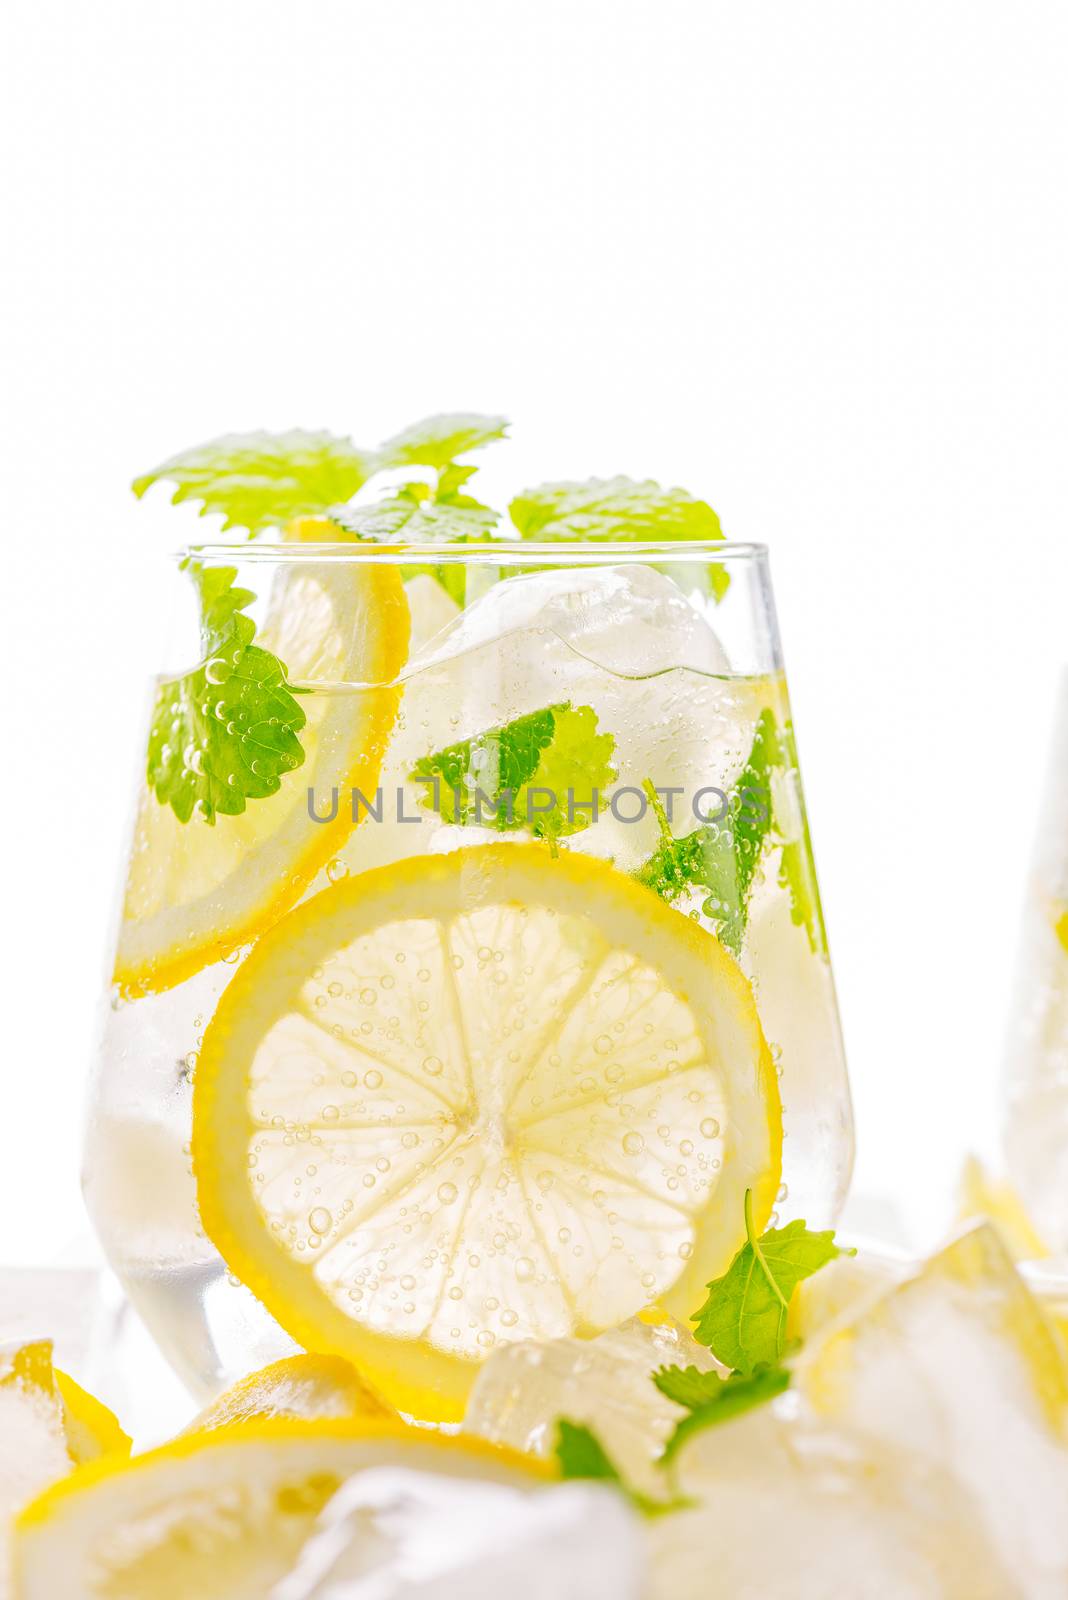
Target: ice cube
point(396, 1535)
point(959, 1369)
point(624, 641)
point(627, 619)
point(789, 1511)
point(33, 1444)
point(66, 1305)
point(605, 1382)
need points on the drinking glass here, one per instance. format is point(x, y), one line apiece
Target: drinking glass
point(471, 981)
point(1036, 1062)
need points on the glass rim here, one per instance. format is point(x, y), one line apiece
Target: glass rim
point(490, 552)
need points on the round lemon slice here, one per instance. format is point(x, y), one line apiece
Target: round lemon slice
point(483, 1096)
point(198, 891)
point(221, 1515)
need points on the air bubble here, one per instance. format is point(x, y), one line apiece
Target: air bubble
point(372, 1078)
point(633, 1144)
point(524, 1269)
point(710, 1128)
point(447, 1193)
point(320, 1220)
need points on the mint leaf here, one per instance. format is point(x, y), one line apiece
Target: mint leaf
point(580, 1454)
point(721, 857)
point(493, 780)
point(262, 480)
point(410, 518)
point(437, 441)
point(796, 872)
point(615, 509)
point(743, 1321)
point(225, 733)
point(711, 1399)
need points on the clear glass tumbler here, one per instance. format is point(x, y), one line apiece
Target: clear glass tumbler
point(471, 967)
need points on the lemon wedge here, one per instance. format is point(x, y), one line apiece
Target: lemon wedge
point(196, 892)
point(88, 1428)
point(220, 1515)
point(484, 1096)
point(297, 1386)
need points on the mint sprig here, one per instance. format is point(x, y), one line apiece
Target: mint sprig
point(225, 733)
point(721, 857)
point(410, 518)
point(439, 441)
point(612, 509)
point(580, 1454)
point(503, 777)
point(621, 510)
point(743, 1321)
point(262, 480)
point(711, 1400)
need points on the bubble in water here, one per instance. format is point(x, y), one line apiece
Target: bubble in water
point(336, 870)
point(486, 1339)
point(524, 1269)
point(447, 1193)
point(367, 997)
point(407, 1282)
point(710, 1128)
point(349, 1079)
point(330, 1113)
point(686, 1147)
point(409, 1140)
point(633, 1144)
point(509, 1318)
point(685, 1250)
point(432, 1065)
point(373, 1078)
point(319, 1220)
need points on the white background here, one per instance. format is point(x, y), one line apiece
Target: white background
point(808, 260)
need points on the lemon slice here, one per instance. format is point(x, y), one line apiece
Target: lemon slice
point(297, 1386)
point(88, 1428)
point(219, 1515)
point(487, 1095)
point(197, 891)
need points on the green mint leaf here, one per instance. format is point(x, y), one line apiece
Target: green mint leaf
point(225, 733)
point(743, 1321)
point(408, 518)
point(614, 509)
point(580, 1454)
point(437, 441)
point(722, 857)
point(494, 779)
point(263, 480)
point(797, 876)
point(796, 872)
point(711, 1399)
